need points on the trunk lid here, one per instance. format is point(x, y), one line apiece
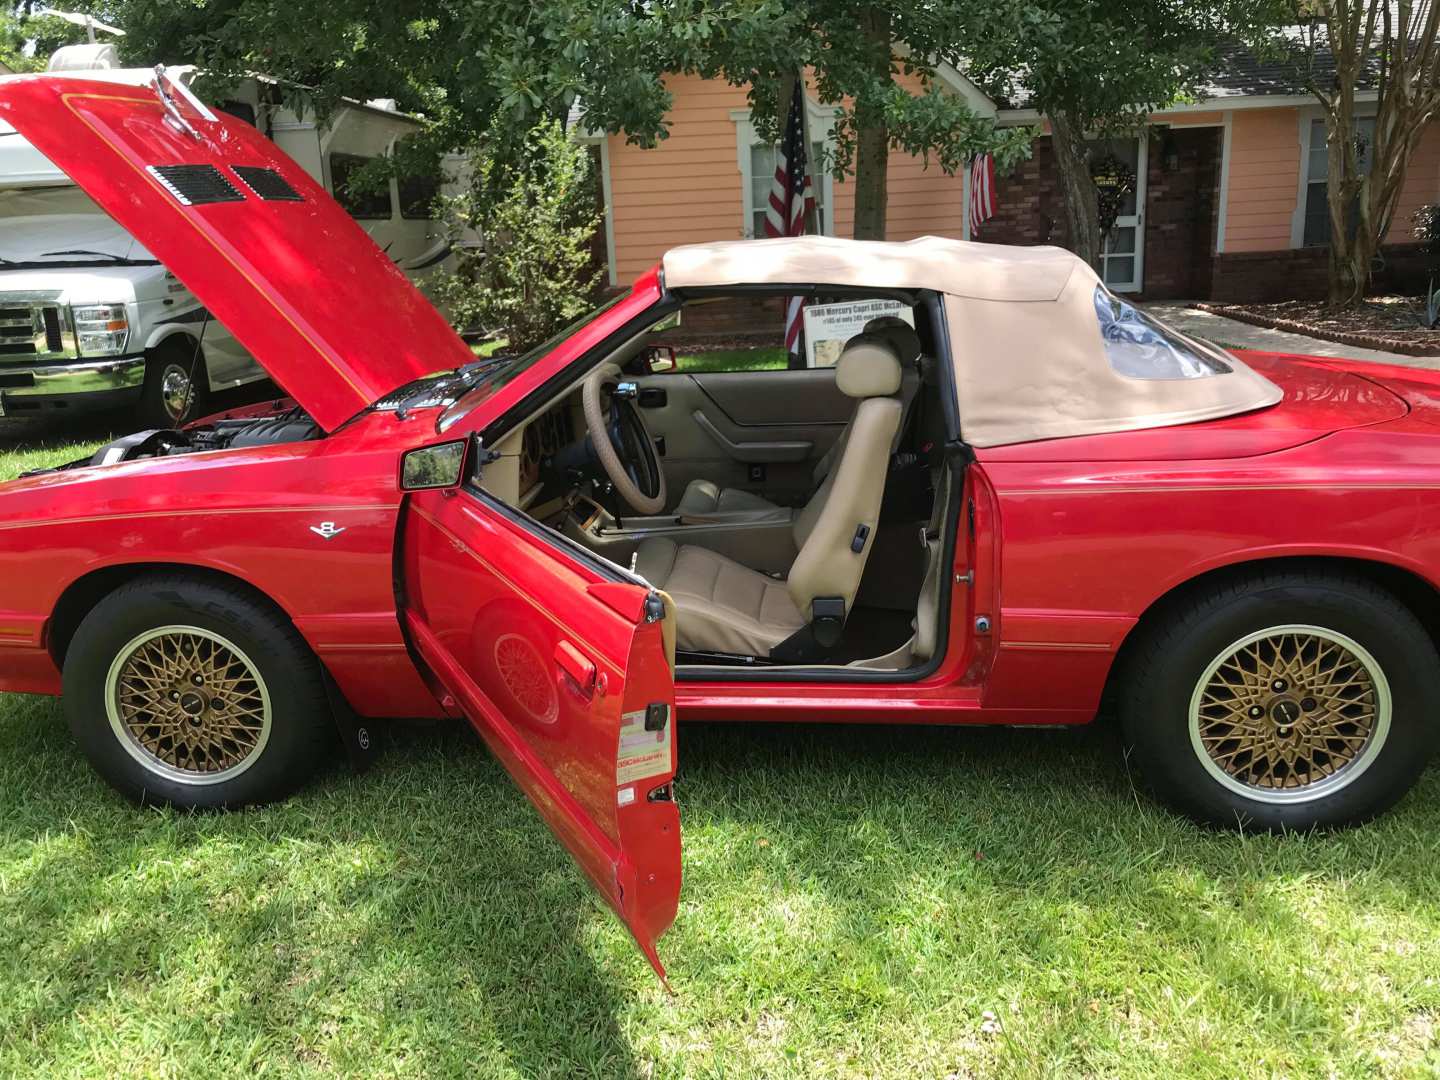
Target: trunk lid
point(1321, 398)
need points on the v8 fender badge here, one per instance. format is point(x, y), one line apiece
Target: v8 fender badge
point(327, 530)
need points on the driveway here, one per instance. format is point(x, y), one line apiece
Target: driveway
point(1238, 335)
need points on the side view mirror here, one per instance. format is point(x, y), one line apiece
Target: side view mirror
point(438, 466)
point(660, 359)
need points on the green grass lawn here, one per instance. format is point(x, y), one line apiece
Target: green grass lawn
point(857, 902)
point(764, 359)
point(489, 348)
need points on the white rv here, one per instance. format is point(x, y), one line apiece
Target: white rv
point(90, 319)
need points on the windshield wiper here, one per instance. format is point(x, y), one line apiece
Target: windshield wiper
point(111, 259)
point(467, 376)
point(484, 364)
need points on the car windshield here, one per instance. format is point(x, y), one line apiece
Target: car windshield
point(61, 225)
point(502, 368)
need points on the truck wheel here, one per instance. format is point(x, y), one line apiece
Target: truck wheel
point(170, 397)
point(195, 694)
point(1288, 700)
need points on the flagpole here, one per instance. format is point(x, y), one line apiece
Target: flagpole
point(810, 223)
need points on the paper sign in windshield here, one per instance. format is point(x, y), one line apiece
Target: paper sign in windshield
point(829, 326)
point(642, 753)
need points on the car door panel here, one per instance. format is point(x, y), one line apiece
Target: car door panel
point(788, 398)
point(782, 422)
point(562, 670)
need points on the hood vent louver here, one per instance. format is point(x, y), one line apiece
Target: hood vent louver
point(267, 183)
point(196, 185)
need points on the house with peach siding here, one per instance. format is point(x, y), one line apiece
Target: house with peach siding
point(1229, 199)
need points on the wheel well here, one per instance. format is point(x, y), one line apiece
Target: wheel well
point(81, 596)
point(177, 341)
point(1417, 594)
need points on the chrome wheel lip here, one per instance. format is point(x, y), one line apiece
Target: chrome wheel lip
point(144, 757)
point(175, 390)
point(1342, 777)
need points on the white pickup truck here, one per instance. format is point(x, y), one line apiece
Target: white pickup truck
point(89, 319)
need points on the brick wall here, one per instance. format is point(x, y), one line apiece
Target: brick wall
point(1180, 213)
point(1263, 277)
point(1029, 208)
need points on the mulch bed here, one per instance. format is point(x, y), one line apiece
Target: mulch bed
point(1389, 323)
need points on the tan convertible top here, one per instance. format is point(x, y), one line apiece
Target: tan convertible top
point(1041, 349)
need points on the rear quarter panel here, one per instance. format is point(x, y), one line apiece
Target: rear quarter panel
point(1087, 547)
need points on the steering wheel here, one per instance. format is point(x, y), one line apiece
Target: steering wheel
point(626, 451)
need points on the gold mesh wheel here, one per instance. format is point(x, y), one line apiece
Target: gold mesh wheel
point(188, 704)
point(1290, 714)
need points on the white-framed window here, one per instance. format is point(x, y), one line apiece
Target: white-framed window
point(762, 182)
point(756, 159)
point(1312, 227)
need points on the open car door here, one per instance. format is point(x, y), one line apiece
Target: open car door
point(560, 661)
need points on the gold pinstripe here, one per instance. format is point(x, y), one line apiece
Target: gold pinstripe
point(211, 511)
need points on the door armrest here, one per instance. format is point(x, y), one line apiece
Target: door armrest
point(757, 452)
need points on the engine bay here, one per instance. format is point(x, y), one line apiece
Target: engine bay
point(291, 425)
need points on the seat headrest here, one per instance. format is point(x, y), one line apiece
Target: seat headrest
point(869, 367)
point(900, 334)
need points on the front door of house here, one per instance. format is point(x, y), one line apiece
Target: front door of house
point(1123, 254)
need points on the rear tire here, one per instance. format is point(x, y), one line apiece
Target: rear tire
point(171, 396)
point(1288, 700)
point(195, 694)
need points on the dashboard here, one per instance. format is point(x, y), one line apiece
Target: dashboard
point(545, 436)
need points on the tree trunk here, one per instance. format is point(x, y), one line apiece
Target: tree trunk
point(872, 140)
point(1395, 48)
point(1082, 207)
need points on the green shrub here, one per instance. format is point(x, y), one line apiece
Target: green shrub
point(538, 216)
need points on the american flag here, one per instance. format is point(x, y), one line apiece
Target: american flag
point(982, 191)
point(791, 202)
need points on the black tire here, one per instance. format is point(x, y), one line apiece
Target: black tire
point(264, 647)
point(1370, 765)
point(168, 370)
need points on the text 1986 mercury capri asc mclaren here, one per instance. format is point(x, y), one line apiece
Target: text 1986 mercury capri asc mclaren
point(1012, 495)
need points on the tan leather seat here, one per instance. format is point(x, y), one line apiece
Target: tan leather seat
point(725, 607)
point(702, 497)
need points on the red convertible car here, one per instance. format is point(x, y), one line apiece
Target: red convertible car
point(1010, 498)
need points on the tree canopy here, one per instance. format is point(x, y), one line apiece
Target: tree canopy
point(492, 71)
point(854, 53)
point(27, 40)
point(1095, 68)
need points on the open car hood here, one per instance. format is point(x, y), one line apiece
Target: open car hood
point(260, 243)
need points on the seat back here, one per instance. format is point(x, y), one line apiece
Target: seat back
point(836, 530)
point(906, 343)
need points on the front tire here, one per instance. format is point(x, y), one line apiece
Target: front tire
point(195, 694)
point(1283, 701)
point(176, 385)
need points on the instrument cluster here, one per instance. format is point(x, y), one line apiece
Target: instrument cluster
point(546, 435)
